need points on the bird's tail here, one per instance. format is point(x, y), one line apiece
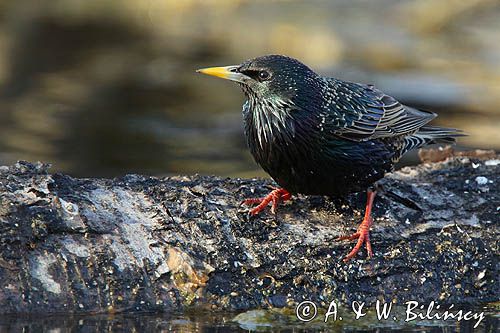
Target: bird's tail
point(427, 135)
point(435, 134)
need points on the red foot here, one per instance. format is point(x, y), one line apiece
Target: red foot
point(277, 195)
point(363, 233)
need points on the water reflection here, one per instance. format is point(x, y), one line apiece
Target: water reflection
point(215, 322)
point(104, 88)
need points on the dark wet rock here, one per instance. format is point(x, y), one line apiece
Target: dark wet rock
point(145, 243)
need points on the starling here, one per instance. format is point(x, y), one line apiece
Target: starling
point(317, 135)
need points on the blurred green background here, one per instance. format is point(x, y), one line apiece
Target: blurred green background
point(104, 88)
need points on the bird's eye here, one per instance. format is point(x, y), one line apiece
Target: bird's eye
point(263, 75)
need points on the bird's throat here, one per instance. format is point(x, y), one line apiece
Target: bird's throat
point(271, 121)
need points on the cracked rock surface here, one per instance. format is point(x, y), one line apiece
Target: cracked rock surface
point(154, 244)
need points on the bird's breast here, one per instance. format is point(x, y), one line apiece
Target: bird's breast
point(279, 140)
point(300, 158)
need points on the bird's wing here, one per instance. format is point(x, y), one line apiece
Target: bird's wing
point(361, 112)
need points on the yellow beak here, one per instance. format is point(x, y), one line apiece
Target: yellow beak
point(227, 72)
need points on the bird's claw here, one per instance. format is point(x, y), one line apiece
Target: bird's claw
point(363, 236)
point(363, 233)
point(276, 196)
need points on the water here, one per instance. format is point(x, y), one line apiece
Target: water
point(221, 322)
point(105, 90)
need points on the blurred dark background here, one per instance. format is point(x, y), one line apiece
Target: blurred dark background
point(105, 88)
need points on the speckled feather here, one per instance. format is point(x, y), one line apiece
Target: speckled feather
point(317, 135)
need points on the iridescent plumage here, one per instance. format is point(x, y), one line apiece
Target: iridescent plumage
point(324, 136)
point(317, 135)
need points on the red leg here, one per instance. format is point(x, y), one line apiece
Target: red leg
point(363, 233)
point(277, 195)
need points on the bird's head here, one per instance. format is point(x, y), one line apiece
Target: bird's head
point(270, 78)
